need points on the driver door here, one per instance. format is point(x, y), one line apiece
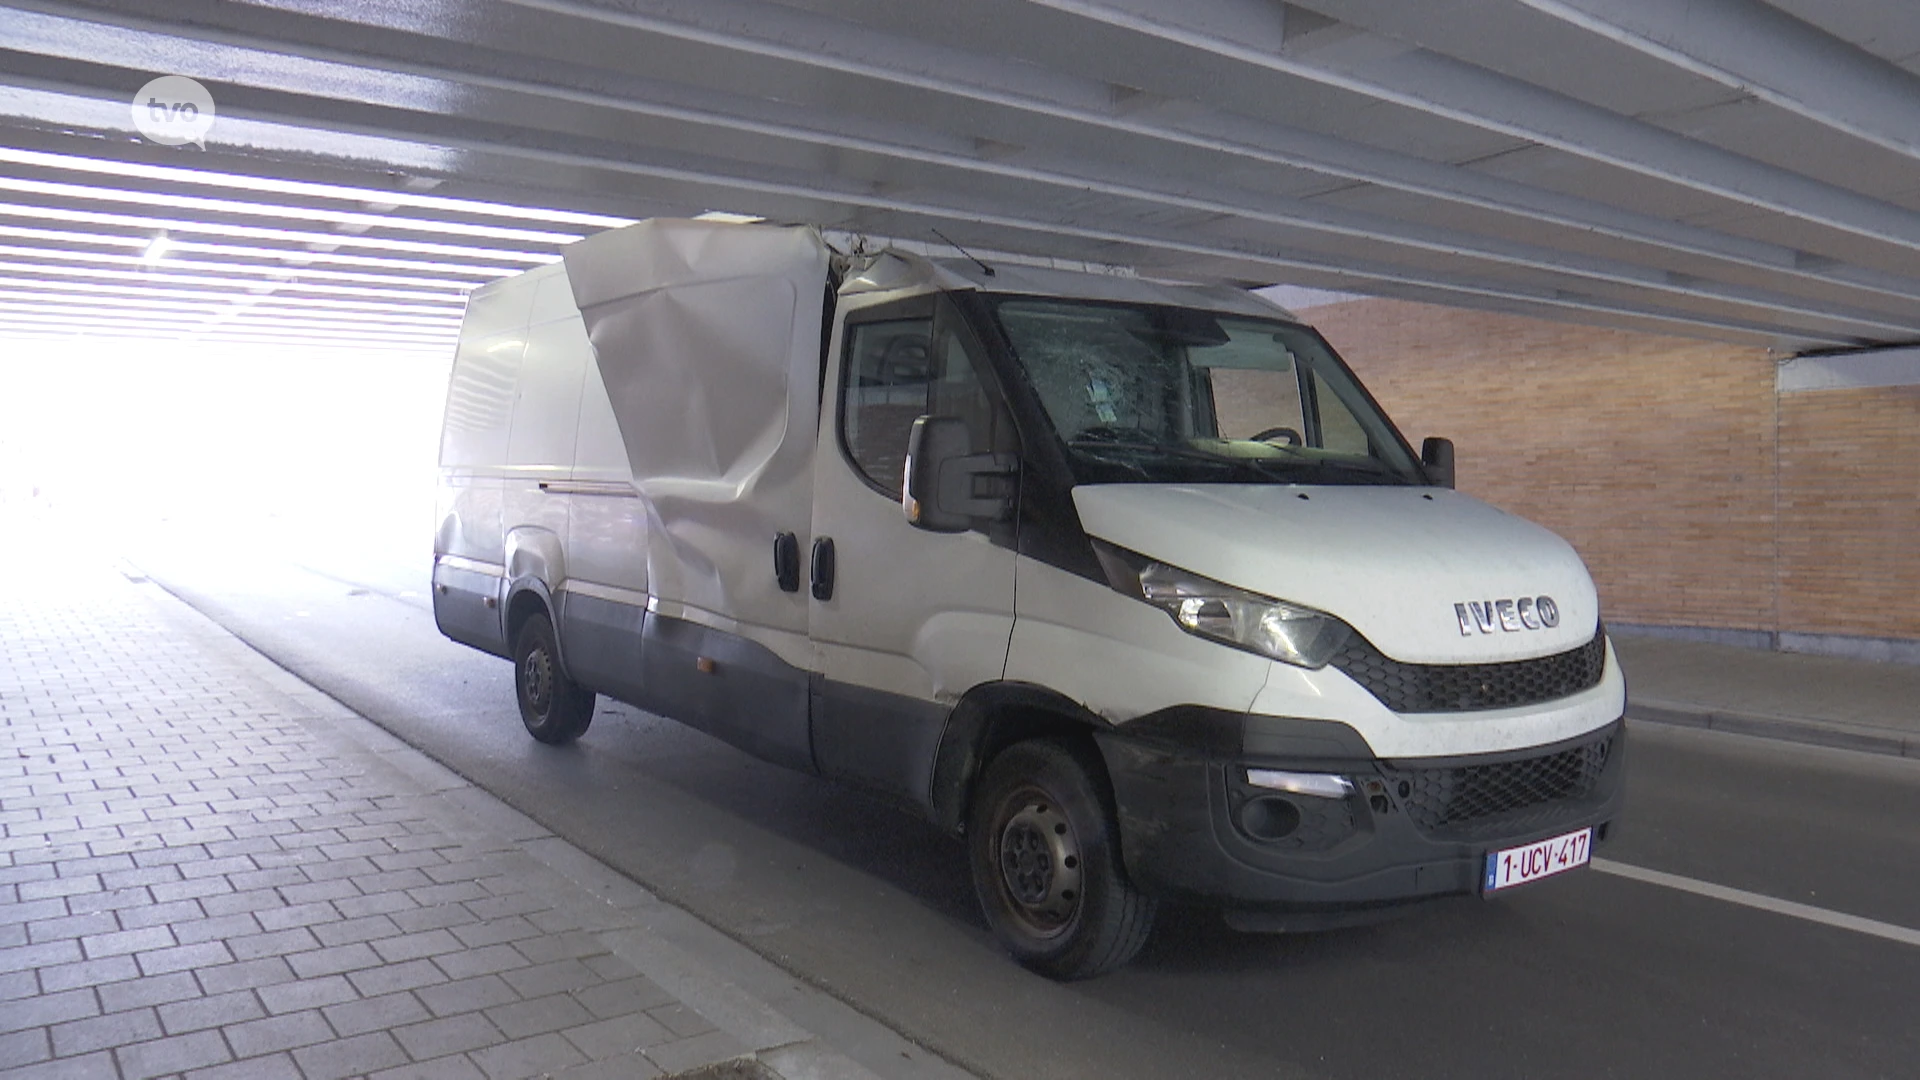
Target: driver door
point(903, 621)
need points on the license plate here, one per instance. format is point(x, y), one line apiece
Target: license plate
point(1531, 862)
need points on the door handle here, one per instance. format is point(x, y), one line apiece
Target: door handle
point(786, 561)
point(823, 568)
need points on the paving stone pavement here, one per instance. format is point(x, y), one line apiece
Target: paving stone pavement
point(207, 871)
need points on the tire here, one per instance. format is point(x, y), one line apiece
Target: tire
point(1046, 862)
point(555, 709)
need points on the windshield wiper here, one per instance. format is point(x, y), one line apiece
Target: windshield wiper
point(1126, 447)
point(1371, 470)
point(1103, 452)
point(1100, 447)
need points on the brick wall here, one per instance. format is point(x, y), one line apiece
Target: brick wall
point(1658, 459)
point(1850, 512)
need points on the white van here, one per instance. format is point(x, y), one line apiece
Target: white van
point(1132, 584)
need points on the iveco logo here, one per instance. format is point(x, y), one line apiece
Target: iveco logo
point(1526, 613)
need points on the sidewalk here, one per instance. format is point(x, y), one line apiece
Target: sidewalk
point(1826, 701)
point(209, 870)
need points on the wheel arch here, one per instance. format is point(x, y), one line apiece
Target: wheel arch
point(527, 597)
point(988, 719)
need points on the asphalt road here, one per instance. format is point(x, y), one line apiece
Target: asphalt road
point(1588, 975)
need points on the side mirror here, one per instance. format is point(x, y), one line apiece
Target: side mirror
point(1436, 458)
point(946, 486)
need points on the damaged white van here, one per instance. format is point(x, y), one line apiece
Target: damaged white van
point(1131, 584)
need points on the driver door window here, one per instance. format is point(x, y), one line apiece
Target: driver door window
point(889, 375)
point(898, 370)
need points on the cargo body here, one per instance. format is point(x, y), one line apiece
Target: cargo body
point(1131, 584)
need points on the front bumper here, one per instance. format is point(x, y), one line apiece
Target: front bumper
point(1192, 827)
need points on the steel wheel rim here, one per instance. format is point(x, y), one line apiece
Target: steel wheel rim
point(537, 675)
point(1038, 857)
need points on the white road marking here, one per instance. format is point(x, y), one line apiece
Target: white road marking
point(1765, 903)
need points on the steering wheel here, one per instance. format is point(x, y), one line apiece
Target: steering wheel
point(1272, 433)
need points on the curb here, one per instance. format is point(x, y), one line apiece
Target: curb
point(1828, 733)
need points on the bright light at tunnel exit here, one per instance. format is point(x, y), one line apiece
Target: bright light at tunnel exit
point(139, 434)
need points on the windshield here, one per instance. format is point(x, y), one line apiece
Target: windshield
point(1144, 393)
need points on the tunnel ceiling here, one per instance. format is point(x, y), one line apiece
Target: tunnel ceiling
point(1720, 168)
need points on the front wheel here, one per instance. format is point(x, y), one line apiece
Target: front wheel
point(555, 708)
point(1046, 862)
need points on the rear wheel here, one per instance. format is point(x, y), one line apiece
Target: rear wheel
point(1046, 862)
point(555, 709)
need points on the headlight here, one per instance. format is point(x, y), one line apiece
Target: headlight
point(1286, 632)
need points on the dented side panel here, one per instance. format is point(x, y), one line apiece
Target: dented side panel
point(700, 330)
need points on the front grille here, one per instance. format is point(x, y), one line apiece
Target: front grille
point(1521, 794)
point(1430, 688)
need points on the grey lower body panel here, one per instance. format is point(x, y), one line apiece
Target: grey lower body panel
point(884, 742)
point(600, 643)
point(743, 693)
point(466, 607)
point(739, 690)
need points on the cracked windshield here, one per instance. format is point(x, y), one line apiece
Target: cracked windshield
point(1150, 394)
